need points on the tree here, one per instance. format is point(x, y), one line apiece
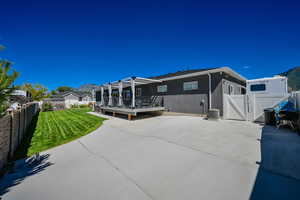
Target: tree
point(53, 92)
point(64, 89)
point(38, 92)
point(7, 78)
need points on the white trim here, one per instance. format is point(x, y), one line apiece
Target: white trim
point(133, 93)
point(222, 69)
point(109, 95)
point(120, 93)
point(267, 78)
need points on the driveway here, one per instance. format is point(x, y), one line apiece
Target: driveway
point(164, 158)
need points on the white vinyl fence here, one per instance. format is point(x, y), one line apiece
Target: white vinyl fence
point(250, 107)
point(235, 107)
point(296, 97)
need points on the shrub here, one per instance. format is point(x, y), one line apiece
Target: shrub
point(83, 106)
point(91, 104)
point(74, 106)
point(47, 107)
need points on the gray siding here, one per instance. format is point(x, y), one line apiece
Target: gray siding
point(188, 103)
point(178, 100)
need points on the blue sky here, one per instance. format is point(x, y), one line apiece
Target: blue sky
point(76, 42)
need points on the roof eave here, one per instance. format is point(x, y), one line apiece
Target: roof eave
point(221, 69)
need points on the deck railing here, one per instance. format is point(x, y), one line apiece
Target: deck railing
point(140, 102)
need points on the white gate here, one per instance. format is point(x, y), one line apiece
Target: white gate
point(250, 107)
point(235, 107)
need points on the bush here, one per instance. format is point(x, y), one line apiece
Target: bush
point(83, 106)
point(47, 107)
point(91, 104)
point(74, 106)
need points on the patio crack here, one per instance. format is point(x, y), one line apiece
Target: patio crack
point(109, 162)
point(184, 146)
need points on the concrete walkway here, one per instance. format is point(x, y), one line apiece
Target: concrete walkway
point(161, 158)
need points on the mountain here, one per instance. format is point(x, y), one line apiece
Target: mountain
point(293, 77)
point(87, 87)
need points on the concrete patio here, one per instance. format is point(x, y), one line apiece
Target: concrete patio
point(165, 157)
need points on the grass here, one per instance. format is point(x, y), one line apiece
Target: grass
point(58, 127)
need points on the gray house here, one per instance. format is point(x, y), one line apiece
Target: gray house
point(190, 91)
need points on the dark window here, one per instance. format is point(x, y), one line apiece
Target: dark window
point(80, 98)
point(230, 89)
point(258, 87)
point(243, 91)
point(98, 96)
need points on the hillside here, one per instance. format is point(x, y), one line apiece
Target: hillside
point(293, 77)
point(87, 87)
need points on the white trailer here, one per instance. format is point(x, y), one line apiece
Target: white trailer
point(274, 85)
point(260, 94)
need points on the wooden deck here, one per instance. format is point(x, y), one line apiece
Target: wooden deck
point(130, 112)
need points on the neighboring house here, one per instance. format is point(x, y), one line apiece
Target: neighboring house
point(190, 91)
point(67, 99)
point(18, 98)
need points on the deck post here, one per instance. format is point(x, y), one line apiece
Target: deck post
point(120, 93)
point(102, 97)
point(133, 92)
point(109, 95)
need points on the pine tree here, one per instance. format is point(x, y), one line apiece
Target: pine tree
point(7, 78)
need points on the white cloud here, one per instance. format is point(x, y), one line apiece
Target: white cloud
point(246, 67)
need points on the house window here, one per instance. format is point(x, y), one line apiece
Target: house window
point(80, 98)
point(138, 92)
point(230, 89)
point(126, 94)
point(243, 90)
point(258, 87)
point(193, 85)
point(162, 88)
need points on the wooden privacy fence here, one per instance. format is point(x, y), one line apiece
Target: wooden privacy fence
point(13, 127)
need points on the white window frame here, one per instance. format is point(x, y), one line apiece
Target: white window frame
point(191, 85)
point(162, 88)
point(265, 86)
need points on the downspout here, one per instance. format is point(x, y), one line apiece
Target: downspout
point(209, 90)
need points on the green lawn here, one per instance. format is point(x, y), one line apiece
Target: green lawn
point(58, 127)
